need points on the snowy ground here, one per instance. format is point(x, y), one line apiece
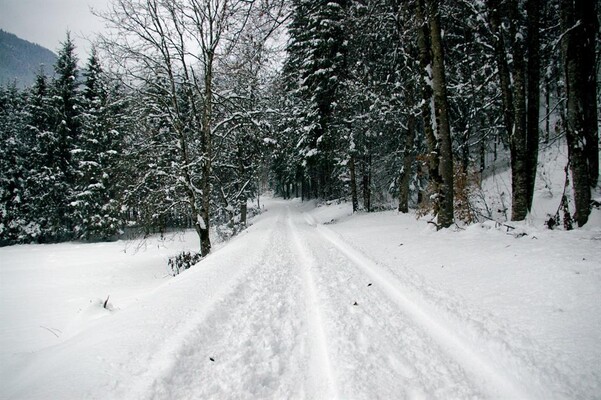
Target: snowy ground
point(308, 303)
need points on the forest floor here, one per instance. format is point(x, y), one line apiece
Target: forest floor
point(311, 303)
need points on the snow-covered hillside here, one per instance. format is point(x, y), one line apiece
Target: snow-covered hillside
point(310, 302)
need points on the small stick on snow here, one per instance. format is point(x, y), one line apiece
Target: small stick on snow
point(106, 301)
point(49, 330)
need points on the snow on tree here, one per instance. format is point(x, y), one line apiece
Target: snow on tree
point(14, 162)
point(313, 71)
point(172, 53)
point(96, 209)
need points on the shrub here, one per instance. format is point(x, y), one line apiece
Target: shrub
point(183, 261)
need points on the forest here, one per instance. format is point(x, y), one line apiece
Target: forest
point(186, 110)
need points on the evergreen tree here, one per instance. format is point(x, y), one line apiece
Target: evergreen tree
point(66, 131)
point(159, 141)
point(14, 156)
point(42, 197)
point(315, 66)
point(374, 106)
point(96, 210)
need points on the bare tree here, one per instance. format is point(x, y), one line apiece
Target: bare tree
point(168, 50)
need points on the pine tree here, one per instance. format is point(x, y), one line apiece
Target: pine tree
point(14, 152)
point(43, 171)
point(66, 127)
point(315, 66)
point(96, 211)
point(374, 106)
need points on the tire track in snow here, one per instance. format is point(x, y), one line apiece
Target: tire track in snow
point(378, 350)
point(491, 380)
point(536, 367)
point(262, 339)
point(321, 368)
point(163, 368)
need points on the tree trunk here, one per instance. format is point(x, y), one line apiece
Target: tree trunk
point(533, 111)
point(513, 95)
point(579, 25)
point(405, 176)
point(445, 216)
point(243, 211)
point(207, 111)
point(590, 37)
point(518, 146)
point(547, 108)
point(314, 185)
point(354, 198)
point(425, 63)
point(366, 183)
point(502, 65)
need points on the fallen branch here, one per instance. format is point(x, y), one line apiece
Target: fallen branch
point(495, 221)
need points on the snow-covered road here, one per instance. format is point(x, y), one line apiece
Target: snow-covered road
point(314, 318)
point(290, 309)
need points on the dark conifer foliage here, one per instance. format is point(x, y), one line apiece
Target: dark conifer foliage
point(58, 180)
point(44, 196)
point(66, 129)
point(313, 74)
point(14, 164)
point(95, 206)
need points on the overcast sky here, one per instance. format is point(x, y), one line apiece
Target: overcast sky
point(46, 22)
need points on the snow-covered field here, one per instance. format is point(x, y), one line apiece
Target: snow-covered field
point(309, 302)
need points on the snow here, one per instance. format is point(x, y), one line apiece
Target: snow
point(201, 222)
point(531, 303)
point(51, 285)
point(312, 302)
point(311, 153)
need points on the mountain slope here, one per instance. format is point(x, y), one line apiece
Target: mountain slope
point(20, 60)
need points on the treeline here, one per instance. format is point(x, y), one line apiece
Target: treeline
point(186, 110)
point(412, 98)
point(86, 156)
point(61, 146)
point(168, 125)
